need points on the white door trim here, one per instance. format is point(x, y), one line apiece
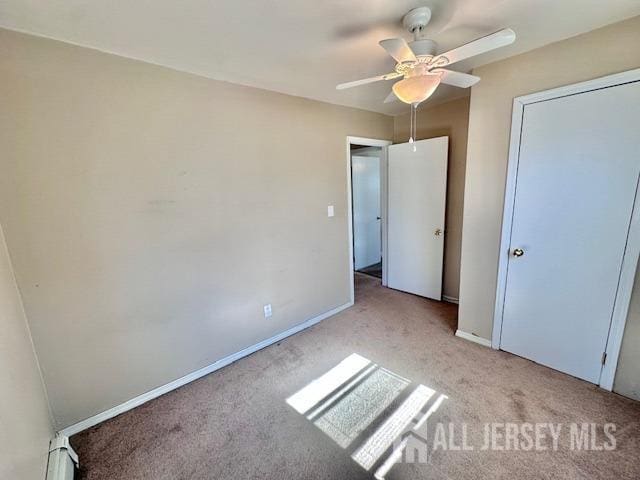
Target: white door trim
point(632, 251)
point(369, 142)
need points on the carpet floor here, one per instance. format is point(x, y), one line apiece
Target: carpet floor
point(236, 423)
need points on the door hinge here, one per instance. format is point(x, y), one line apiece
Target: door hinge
point(604, 358)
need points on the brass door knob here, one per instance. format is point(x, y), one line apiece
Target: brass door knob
point(518, 252)
point(438, 232)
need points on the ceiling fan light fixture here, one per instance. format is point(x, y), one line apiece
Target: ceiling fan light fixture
point(416, 89)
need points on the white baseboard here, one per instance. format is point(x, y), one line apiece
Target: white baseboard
point(223, 362)
point(449, 299)
point(473, 338)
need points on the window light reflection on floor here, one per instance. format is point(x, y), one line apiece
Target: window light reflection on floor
point(327, 383)
point(349, 416)
point(397, 453)
point(351, 398)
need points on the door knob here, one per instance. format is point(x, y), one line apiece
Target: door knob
point(518, 252)
point(438, 232)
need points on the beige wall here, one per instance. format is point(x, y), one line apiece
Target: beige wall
point(627, 380)
point(450, 119)
point(605, 51)
point(151, 214)
point(25, 426)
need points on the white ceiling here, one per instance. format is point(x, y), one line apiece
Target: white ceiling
point(301, 47)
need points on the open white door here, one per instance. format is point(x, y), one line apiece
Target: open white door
point(417, 199)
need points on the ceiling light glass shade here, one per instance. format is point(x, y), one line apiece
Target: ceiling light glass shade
point(413, 90)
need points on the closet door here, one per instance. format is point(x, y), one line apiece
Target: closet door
point(577, 176)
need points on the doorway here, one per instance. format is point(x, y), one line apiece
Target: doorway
point(396, 198)
point(366, 191)
point(361, 143)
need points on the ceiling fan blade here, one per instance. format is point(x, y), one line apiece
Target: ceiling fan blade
point(485, 44)
point(457, 79)
point(399, 49)
point(364, 81)
point(391, 98)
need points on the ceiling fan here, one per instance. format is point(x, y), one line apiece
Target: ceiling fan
point(423, 70)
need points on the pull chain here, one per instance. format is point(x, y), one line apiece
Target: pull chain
point(413, 124)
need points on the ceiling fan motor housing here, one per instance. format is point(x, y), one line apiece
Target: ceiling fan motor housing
point(424, 46)
point(415, 21)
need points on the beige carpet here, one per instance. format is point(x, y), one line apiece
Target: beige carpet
point(236, 423)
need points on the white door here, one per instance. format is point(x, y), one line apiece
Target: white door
point(365, 178)
point(417, 197)
point(576, 183)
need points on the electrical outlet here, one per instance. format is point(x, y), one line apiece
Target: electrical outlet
point(330, 211)
point(267, 311)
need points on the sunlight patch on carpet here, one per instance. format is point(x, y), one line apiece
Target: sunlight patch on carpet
point(368, 410)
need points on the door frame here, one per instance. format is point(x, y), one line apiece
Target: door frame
point(368, 142)
point(632, 249)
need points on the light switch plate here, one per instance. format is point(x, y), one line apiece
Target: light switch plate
point(330, 211)
point(267, 311)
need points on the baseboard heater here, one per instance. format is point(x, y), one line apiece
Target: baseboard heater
point(63, 461)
